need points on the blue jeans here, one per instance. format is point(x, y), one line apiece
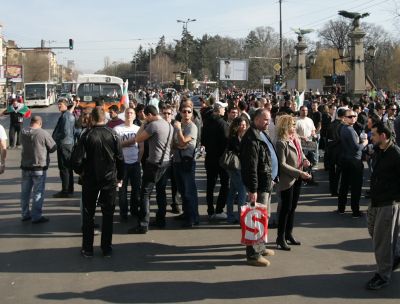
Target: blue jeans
point(185, 181)
point(132, 175)
point(161, 197)
point(33, 182)
point(236, 186)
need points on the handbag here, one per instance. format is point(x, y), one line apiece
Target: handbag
point(308, 145)
point(229, 160)
point(254, 224)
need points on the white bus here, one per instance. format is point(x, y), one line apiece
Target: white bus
point(68, 87)
point(96, 87)
point(42, 94)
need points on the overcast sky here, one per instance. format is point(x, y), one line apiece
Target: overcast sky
point(116, 28)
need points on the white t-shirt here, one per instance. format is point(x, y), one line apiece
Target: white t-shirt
point(3, 135)
point(304, 127)
point(131, 153)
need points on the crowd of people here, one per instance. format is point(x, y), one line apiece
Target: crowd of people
point(277, 141)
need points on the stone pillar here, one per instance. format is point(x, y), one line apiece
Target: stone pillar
point(357, 74)
point(301, 78)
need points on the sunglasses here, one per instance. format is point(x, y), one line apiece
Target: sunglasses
point(351, 116)
point(167, 113)
point(186, 111)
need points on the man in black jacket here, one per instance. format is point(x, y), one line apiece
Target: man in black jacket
point(384, 212)
point(214, 137)
point(352, 166)
point(103, 170)
point(260, 169)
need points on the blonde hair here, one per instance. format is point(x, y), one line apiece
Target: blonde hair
point(283, 125)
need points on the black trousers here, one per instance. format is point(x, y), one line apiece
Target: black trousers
point(66, 173)
point(15, 129)
point(106, 199)
point(289, 200)
point(352, 176)
point(214, 170)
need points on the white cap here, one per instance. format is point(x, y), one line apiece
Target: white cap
point(219, 104)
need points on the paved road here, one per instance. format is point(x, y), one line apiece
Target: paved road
point(41, 263)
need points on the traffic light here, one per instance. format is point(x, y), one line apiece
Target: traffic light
point(71, 44)
point(278, 79)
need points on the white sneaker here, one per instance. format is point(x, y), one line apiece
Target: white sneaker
point(220, 216)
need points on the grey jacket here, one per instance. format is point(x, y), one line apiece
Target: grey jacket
point(36, 146)
point(287, 155)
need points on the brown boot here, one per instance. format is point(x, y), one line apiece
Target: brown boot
point(260, 262)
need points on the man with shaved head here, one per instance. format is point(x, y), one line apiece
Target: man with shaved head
point(36, 146)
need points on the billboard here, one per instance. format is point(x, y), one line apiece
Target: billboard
point(233, 69)
point(14, 73)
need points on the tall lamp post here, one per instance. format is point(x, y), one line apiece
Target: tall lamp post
point(371, 50)
point(185, 27)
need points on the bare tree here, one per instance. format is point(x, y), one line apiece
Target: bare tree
point(335, 34)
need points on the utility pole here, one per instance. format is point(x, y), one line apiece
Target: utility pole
point(280, 39)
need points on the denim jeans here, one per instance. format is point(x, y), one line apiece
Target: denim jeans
point(33, 183)
point(185, 181)
point(161, 196)
point(132, 175)
point(236, 186)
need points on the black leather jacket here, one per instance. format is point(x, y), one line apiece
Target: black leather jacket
point(255, 161)
point(104, 161)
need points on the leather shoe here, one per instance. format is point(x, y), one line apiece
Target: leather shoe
point(376, 283)
point(281, 244)
point(292, 241)
point(87, 254)
point(260, 262)
point(40, 220)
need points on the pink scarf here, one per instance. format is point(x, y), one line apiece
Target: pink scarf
point(299, 153)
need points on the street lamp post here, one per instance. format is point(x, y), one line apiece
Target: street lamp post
point(185, 27)
point(371, 54)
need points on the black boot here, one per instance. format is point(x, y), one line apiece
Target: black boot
point(292, 241)
point(281, 244)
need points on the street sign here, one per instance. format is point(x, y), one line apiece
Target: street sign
point(277, 67)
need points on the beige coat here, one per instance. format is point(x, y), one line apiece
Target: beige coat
point(287, 155)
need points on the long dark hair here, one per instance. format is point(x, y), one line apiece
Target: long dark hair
point(233, 129)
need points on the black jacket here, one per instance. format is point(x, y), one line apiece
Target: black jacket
point(255, 161)
point(214, 137)
point(385, 178)
point(103, 162)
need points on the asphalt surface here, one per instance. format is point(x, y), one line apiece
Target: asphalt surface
point(41, 263)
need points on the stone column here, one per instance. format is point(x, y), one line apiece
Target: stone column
point(357, 75)
point(301, 78)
